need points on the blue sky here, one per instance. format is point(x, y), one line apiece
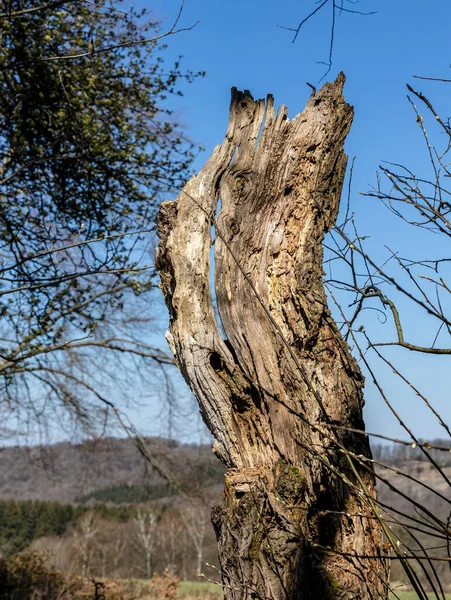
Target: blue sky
point(239, 44)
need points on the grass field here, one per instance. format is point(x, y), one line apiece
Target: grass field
point(193, 590)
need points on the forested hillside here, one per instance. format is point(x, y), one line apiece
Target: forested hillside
point(101, 509)
point(105, 470)
point(114, 470)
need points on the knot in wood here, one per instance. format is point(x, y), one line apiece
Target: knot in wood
point(230, 226)
point(240, 183)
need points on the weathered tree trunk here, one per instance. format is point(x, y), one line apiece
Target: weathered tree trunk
point(274, 379)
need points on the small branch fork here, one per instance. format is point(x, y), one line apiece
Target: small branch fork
point(337, 7)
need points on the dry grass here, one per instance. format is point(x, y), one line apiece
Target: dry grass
point(194, 590)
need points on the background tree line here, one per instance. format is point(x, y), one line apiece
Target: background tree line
point(133, 540)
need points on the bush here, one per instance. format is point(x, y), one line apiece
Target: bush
point(164, 586)
point(28, 576)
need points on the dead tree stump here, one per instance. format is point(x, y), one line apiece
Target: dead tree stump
point(275, 381)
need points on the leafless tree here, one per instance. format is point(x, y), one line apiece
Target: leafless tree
point(118, 550)
point(404, 288)
point(145, 524)
point(170, 529)
point(85, 534)
point(195, 516)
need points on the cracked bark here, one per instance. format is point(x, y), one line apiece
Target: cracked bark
point(273, 376)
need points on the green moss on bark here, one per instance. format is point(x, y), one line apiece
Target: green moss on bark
point(291, 484)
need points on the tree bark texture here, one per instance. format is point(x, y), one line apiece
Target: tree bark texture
point(274, 379)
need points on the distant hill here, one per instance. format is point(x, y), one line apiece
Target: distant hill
point(113, 470)
point(108, 469)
